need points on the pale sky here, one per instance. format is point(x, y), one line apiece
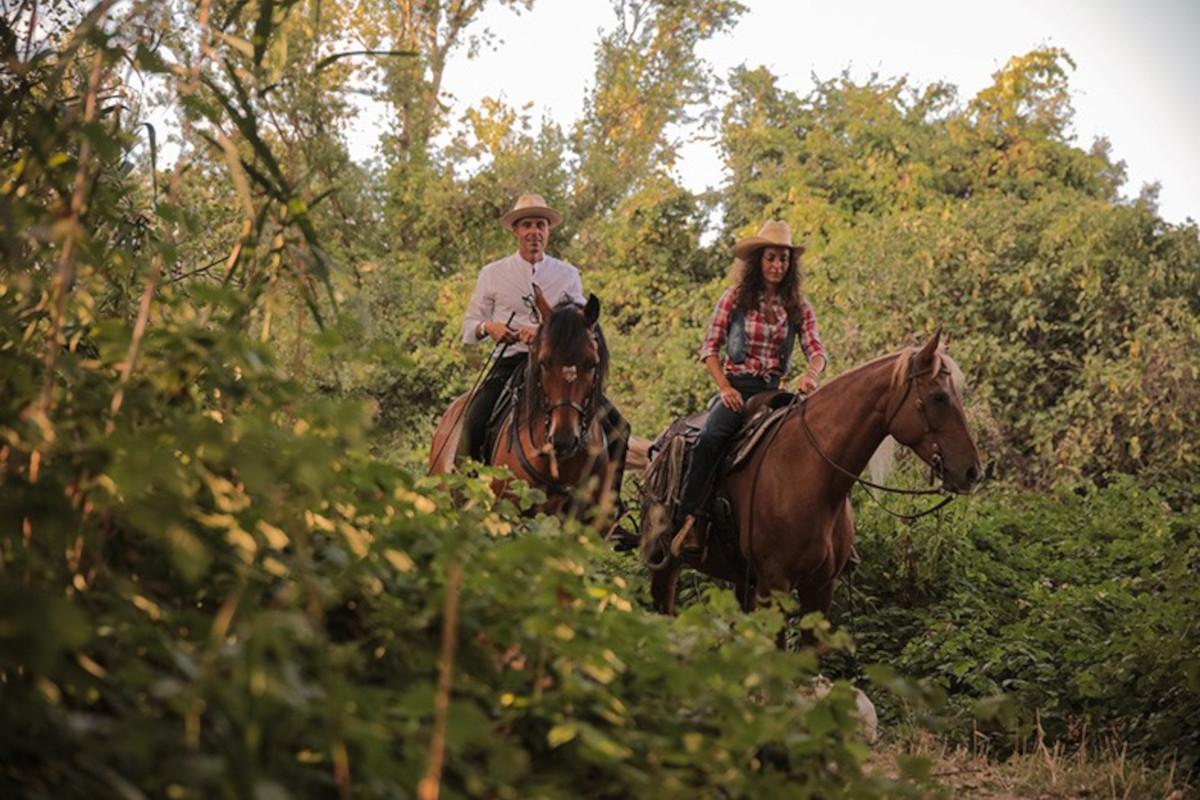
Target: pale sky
point(1137, 63)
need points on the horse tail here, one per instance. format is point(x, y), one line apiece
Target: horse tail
point(884, 459)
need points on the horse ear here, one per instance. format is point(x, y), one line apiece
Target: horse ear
point(929, 351)
point(543, 305)
point(591, 312)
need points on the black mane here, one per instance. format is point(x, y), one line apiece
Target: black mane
point(568, 336)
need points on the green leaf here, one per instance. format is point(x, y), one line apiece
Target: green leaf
point(561, 734)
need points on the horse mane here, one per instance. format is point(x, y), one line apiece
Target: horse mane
point(568, 336)
point(941, 361)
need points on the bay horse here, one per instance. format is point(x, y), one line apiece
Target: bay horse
point(790, 500)
point(552, 438)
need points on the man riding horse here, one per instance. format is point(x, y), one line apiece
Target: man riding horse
point(503, 312)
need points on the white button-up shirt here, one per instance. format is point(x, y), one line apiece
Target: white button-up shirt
point(505, 287)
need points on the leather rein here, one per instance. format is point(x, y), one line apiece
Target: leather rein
point(936, 467)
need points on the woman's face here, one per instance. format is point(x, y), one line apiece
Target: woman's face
point(775, 264)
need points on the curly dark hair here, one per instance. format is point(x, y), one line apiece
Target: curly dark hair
point(748, 283)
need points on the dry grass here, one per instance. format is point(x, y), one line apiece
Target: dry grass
point(1040, 773)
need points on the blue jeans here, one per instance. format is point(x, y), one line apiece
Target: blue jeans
point(721, 426)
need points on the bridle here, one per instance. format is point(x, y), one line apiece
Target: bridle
point(585, 410)
point(937, 462)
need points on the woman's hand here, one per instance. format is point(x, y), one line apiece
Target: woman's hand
point(731, 398)
point(806, 385)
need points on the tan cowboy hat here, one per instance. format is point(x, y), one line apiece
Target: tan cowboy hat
point(530, 205)
point(774, 233)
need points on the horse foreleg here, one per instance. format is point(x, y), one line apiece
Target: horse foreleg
point(814, 597)
point(813, 594)
point(747, 597)
point(663, 586)
point(744, 596)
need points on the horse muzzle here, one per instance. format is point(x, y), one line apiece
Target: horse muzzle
point(964, 480)
point(565, 447)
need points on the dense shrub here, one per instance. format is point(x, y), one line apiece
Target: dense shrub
point(1077, 608)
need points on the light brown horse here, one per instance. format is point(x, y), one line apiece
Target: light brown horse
point(552, 438)
point(791, 499)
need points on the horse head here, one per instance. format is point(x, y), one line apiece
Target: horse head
point(925, 413)
point(567, 366)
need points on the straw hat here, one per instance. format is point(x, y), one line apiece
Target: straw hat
point(530, 205)
point(773, 233)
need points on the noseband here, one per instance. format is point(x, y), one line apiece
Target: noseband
point(583, 410)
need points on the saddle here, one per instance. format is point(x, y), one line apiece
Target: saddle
point(668, 456)
point(505, 404)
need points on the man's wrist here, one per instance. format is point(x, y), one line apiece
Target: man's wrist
point(480, 330)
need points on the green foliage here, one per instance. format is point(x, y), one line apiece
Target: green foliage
point(217, 383)
point(1063, 313)
point(648, 81)
point(253, 604)
point(215, 589)
point(1072, 611)
point(1072, 314)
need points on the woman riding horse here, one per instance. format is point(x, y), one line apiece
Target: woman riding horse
point(789, 525)
point(757, 319)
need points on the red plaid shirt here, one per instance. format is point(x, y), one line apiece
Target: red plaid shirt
point(764, 341)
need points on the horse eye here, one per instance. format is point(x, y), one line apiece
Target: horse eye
point(589, 366)
point(939, 397)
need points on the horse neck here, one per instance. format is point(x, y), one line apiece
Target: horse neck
point(847, 418)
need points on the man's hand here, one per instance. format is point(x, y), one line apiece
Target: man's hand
point(500, 332)
point(527, 333)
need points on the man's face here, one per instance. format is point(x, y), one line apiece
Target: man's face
point(532, 234)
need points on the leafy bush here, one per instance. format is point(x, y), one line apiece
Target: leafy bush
point(250, 606)
point(221, 577)
point(1076, 607)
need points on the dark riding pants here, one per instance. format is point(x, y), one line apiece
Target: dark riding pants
point(721, 426)
point(474, 434)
